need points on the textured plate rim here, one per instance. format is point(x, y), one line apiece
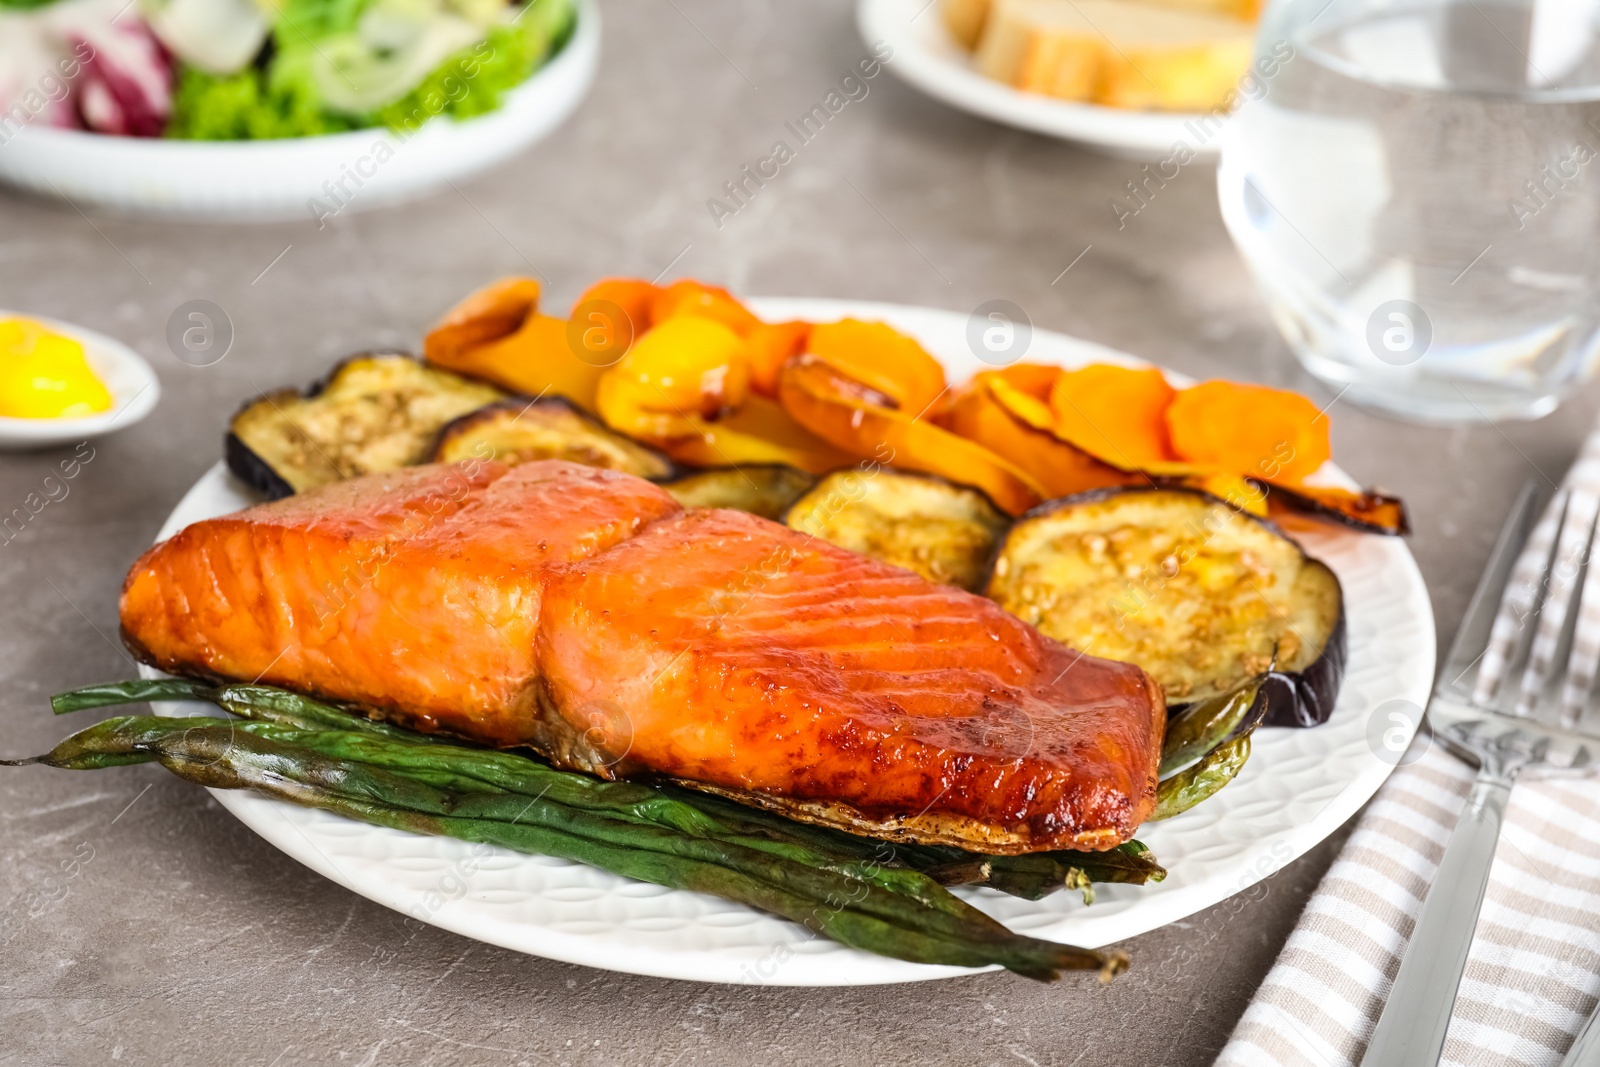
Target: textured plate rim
point(1133, 910)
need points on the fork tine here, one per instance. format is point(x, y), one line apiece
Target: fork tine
point(1566, 566)
point(1519, 601)
point(1470, 649)
point(1585, 657)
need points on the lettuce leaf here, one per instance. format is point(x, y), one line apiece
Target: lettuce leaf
point(252, 105)
point(281, 100)
point(475, 81)
point(302, 21)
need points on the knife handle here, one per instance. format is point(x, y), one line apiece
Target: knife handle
point(1411, 1030)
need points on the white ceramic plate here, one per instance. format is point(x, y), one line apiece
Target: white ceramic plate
point(929, 58)
point(133, 386)
point(260, 181)
point(1298, 787)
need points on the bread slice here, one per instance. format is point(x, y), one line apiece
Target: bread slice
point(1249, 10)
point(965, 20)
point(1116, 52)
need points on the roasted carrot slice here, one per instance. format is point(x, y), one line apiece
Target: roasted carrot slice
point(853, 418)
point(1006, 412)
point(1252, 430)
point(881, 358)
point(769, 346)
point(1035, 379)
point(1116, 413)
point(1071, 469)
point(1059, 467)
point(689, 297)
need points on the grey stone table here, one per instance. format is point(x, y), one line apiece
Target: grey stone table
point(140, 923)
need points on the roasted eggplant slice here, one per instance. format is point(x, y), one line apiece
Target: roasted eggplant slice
point(1201, 595)
point(761, 490)
point(375, 412)
point(520, 429)
point(942, 531)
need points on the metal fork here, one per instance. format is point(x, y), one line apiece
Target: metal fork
point(1511, 700)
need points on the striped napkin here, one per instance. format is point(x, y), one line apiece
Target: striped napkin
point(1534, 971)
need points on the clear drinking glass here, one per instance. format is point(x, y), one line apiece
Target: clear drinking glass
point(1415, 185)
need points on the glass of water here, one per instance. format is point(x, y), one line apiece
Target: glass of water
point(1415, 185)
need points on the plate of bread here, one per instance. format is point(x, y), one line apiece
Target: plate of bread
point(1141, 78)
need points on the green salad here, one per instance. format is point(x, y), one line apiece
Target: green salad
point(262, 69)
point(325, 70)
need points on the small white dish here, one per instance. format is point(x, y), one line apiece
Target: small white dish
point(301, 177)
point(133, 385)
point(930, 59)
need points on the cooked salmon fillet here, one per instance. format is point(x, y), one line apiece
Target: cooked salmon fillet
point(585, 613)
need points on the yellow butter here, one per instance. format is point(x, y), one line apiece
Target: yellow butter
point(44, 375)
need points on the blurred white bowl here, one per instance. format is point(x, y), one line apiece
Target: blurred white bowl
point(133, 386)
point(251, 181)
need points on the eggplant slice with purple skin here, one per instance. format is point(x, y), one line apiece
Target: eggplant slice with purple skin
point(936, 528)
point(373, 412)
point(1203, 596)
point(761, 489)
point(521, 429)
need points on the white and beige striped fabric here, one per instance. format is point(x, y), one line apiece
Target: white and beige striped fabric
point(1566, 526)
point(1534, 971)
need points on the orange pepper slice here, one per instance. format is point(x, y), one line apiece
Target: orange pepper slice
point(498, 335)
point(631, 296)
point(846, 414)
point(768, 346)
point(760, 431)
point(491, 314)
point(676, 376)
point(685, 388)
point(706, 301)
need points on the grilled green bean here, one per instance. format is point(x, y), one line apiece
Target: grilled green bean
point(1187, 788)
point(907, 916)
point(1205, 724)
point(1031, 876)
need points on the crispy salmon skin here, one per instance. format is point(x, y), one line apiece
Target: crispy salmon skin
point(584, 613)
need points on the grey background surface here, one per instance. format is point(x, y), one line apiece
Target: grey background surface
point(139, 923)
